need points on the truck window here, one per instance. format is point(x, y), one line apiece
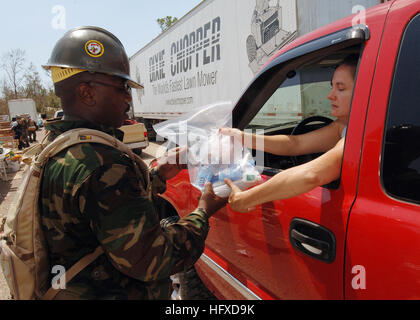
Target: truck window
point(301, 96)
point(401, 149)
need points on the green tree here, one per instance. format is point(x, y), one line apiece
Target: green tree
point(25, 82)
point(51, 103)
point(4, 109)
point(6, 91)
point(165, 23)
point(33, 87)
point(32, 83)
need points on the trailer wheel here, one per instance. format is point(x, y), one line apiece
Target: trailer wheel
point(191, 287)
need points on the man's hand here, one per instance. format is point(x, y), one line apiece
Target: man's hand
point(236, 199)
point(172, 162)
point(210, 202)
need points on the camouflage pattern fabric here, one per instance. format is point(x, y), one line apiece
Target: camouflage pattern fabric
point(90, 196)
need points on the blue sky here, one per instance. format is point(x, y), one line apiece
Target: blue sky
point(35, 26)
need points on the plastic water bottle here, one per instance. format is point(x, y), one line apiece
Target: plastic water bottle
point(205, 174)
point(233, 173)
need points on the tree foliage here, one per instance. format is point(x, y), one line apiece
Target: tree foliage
point(165, 23)
point(13, 64)
point(22, 81)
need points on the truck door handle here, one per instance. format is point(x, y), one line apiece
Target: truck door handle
point(313, 240)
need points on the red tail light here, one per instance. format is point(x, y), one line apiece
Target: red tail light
point(145, 134)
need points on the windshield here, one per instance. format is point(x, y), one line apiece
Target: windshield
point(302, 95)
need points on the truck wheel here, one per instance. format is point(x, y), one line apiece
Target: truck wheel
point(191, 287)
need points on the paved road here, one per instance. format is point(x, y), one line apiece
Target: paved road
point(8, 191)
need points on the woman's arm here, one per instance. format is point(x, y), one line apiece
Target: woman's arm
point(291, 182)
point(316, 141)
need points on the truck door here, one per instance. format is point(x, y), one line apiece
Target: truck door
point(383, 241)
point(294, 248)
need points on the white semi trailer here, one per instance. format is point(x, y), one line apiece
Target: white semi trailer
point(213, 52)
point(18, 107)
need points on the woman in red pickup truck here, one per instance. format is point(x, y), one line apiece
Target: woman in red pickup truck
point(318, 172)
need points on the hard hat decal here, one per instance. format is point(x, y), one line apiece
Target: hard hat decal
point(94, 48)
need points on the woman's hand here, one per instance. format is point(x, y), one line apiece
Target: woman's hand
point(232, 132)
point(237, 199)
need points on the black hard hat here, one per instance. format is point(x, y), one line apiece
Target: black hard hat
point(89, 49)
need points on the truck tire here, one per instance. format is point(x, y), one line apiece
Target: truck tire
point(191, 287)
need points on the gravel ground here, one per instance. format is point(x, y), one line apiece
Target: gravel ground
point(8, 192)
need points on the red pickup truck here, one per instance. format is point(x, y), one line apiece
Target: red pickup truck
point(359, 237)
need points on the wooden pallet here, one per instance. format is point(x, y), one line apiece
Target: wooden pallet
point(6, 132)
point(5, 125)
point(9, 141)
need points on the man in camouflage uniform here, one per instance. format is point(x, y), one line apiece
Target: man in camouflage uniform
point(23, 140)
point(91, 195)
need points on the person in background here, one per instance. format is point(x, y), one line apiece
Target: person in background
point(19, 134)
point(23, 122)
point(17, 130)
point(32, 128)
point(14, 123)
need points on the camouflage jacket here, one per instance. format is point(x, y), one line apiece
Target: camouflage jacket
point(91, 196)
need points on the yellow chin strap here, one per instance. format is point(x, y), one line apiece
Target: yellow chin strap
point(59, 74)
